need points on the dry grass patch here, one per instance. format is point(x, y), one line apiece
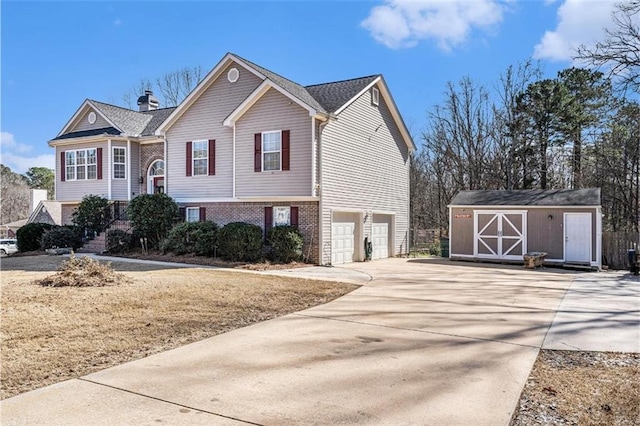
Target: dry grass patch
point(83, 272)
point(581, 388)
point(50, 334)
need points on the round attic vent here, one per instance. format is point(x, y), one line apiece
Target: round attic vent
point(91, 118)
point(233, 75)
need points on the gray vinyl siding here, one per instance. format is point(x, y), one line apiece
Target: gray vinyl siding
point(365, 167)
point(76, 189)
point(203, 120)
point(119, 187)
point(274, 111)
point(83, 124)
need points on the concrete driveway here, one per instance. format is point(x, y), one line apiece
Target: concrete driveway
point(424, 342)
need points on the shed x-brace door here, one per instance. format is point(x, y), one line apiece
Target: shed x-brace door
point(500, 234)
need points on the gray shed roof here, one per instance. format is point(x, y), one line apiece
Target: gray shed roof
point(335, 94)
point(529, 197)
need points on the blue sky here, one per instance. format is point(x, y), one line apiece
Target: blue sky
point(56, 54)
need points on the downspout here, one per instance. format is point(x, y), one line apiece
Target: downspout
point(129, 168)
point(233, 163)
point(109, 169)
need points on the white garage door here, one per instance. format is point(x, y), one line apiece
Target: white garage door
point(343, 232)
point(380, 235)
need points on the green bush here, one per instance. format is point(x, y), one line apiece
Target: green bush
point(118, 241)
point(286, 244)
point(191, 237)
point(62, 237)
point(92, 214)
point(152, 216)
point(239, 241)
point(29, 236)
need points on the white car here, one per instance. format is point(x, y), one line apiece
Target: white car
point(8, 246)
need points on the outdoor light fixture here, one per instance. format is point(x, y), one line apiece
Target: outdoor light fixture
point(550, 217)
point(141, 180)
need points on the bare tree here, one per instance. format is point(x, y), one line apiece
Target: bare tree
point(174, 86)
point(619, 52)
point(130, 98)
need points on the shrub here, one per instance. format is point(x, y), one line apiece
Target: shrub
point(286, 244)
point(152, 216)
point(29, 236)
point(118, 241)
point(191, 237)
point(84, 272)
point(61, 237)
point(240, 241)
point(92, 214)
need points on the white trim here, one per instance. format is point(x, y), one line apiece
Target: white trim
point(263, 151)
point(109, 147)
point(245, 199)
point(166, 171)
point(129, 194)
point(87, 139)
point(233, 163)
point(509, 206)
point(375, 96)
point(207, 81)
point(150, 177)
point(502, 252)
point(113, 162)
point(186, 214)
point(86, 103)
point(391, 104)
point(193, 157)
point(250, 100)
point(598, 261)
point(75, 165)
point(314, 145)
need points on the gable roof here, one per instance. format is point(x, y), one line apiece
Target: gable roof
point(124, 121)
point(529, 197)
point(332, 96)
point(51, 208)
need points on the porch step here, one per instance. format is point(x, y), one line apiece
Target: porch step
point(97, 245)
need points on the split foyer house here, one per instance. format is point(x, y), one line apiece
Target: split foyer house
point(249, 145)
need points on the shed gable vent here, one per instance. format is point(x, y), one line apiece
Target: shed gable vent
point(375, 96)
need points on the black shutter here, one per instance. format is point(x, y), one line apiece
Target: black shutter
point(285, 149)
point(294, 217)
point(257, 152)
point(189, 158)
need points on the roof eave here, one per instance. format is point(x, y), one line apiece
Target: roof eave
point(76, 115)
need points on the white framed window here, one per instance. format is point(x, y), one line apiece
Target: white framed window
point(200, 160)
point(375, 96)
point(192, 214)
point(281, 215)
point(81, 164)
point(272, 151)
point(119, 162)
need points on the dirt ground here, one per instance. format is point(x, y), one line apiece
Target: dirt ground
point(51, 334)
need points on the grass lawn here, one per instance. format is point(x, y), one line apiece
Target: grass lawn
point(54, 334)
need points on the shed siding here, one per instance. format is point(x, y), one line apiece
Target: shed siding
point(365, 166)
point(204, 121)
point(274, 111)
point(83, 124)
point(76, 189)
point(543, 234)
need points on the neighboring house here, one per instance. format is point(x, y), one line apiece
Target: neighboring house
point(8, 230)
point(504, 225)
point(47, 212)
point(249, 145)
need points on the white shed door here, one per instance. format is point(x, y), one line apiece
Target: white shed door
point(577, 237)
point(380, 237)
point(342, 242)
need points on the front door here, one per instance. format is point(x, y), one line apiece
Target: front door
point(500, 234)
point(577, 237)
point(158, 184)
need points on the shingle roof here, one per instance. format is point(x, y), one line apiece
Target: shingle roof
point(529, 197)
point(92, 132)
point(334, 95)
point(293, 88)
point(158, 116)
point(129, 121)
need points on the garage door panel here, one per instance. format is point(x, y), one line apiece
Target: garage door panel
point(343, 230)
point(380, 240)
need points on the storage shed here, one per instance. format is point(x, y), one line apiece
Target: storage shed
point(505, 225)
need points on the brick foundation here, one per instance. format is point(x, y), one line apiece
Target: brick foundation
point(223, 213)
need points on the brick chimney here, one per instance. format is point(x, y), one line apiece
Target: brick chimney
point(147, 102)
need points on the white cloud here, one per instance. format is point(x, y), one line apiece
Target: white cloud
point(579, 22)
point(403, 23)
point(11, 155)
